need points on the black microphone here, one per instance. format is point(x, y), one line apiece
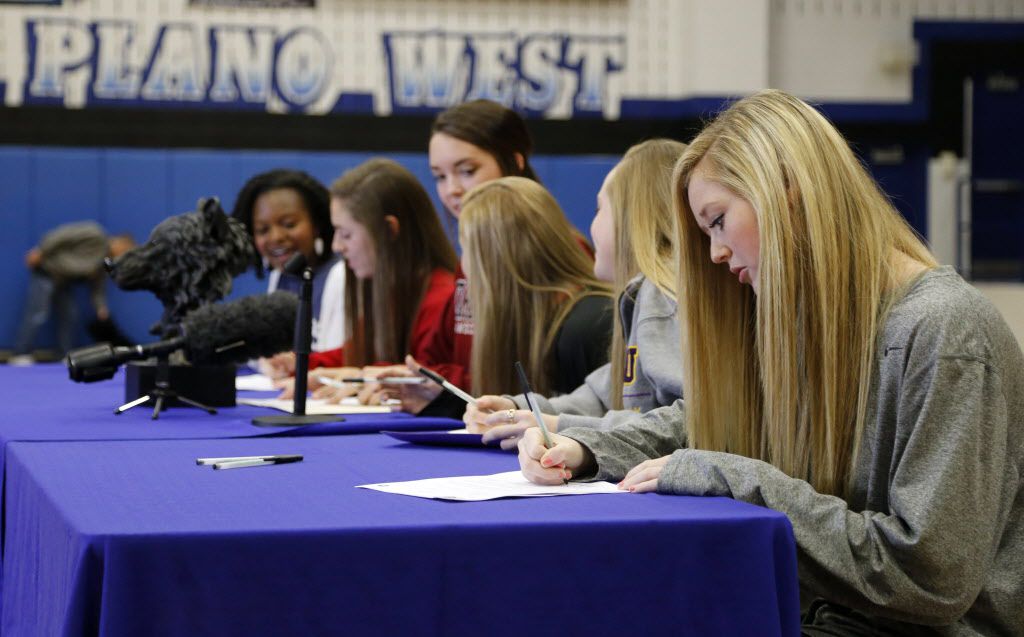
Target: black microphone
point(249, 327)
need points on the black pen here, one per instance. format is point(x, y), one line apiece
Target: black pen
point(539, 417)
point(268, 456)
point(384, 380)
point(256, 461)
point(535, 408)
point(440, 380)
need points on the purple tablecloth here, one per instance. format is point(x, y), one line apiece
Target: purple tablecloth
point(132, 538)
point(40, 403)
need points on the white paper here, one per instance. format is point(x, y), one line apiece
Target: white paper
point(511, 484)
point(316, 407)
point(254, 382)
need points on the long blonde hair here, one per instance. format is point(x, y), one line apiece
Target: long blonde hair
point(380, 312)
point(525, 271)
point(639, 190)
point(785, 377)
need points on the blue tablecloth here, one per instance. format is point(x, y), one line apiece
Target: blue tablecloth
point(40, 403)
point(132, 538)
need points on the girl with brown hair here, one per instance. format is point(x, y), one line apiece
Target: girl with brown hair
point(532, 291)
point(400, 272)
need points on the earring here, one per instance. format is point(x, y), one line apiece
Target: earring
point(318, 246)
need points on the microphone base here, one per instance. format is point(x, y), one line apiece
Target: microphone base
point(212, 385)
point(291, 420)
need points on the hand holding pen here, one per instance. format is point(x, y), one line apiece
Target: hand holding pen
point(545, 434)
point(440, 380)
point(553, 465)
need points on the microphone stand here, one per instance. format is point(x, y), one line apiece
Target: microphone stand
point(162, 392)
point(303, 344)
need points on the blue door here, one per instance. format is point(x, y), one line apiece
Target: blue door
point(997, 174)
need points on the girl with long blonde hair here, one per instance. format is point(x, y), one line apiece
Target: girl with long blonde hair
point(846, 380)
point(634, 235)
point(532, 292)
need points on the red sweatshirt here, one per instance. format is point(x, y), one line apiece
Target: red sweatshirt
point(424, 341)
point(456, 334)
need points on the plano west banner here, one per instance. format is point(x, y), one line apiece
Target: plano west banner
point(304, 68)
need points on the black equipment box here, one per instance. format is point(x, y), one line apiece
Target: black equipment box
point(212, 385)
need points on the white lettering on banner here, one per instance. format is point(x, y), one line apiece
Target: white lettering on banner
point(302, 69)
point(57, 46)
point(427, 69)
point(594, 59)
point(176, 72)
point(78, 63)
point(244, 66)
point(538, 63)
point(179, 63)
point(116, 76)
point(493, 59)
point(435, 69)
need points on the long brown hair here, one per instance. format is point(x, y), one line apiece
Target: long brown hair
point(493, 128)
point(526, 272)
point(785, 377)
point(639, 190)
point(380, 312)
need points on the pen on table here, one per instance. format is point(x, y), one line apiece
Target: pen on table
point(256, 462)
point(440, 380)
point(390, 380)
point(267, 459)
point(535, 408)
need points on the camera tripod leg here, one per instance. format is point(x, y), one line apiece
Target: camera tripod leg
point(158, 407)
point(125, 407)
point(196, 404)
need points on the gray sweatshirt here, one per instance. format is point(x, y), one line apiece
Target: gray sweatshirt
point(931, 537)
point(75, 252)
point(653, 370)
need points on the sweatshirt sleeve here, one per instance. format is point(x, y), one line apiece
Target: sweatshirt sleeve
point(327, 358)
point(924, 559)
point(587, 406)
point(589, 399)
point(657, 433)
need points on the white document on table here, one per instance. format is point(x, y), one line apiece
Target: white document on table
point(254, 382)
point(317, 407)
point(511, 484)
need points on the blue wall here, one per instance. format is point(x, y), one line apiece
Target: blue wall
point(129, 190)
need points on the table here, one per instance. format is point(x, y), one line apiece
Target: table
point(132, 538)
point(40, 403)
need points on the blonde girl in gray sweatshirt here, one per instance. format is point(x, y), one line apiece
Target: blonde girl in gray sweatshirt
point(845, 380)
point(633, 232)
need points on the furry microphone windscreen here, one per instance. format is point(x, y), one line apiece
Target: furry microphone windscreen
point(189, 261)
point(249, 327)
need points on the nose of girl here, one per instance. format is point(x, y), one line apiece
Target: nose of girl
point(719, 253)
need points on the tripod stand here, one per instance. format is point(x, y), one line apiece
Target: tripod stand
point(162, 392)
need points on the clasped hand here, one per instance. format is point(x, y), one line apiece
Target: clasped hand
point(498, 418)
